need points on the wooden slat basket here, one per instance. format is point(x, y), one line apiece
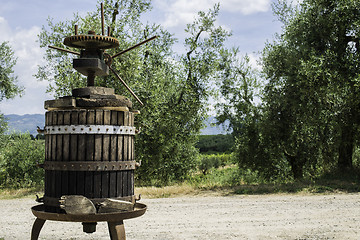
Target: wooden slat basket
point(96, 165)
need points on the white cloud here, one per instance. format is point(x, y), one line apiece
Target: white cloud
point(183, 11)
point(254, 61)
point(29, 56)
point(246, 6)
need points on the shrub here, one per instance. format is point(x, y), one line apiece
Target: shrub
point(213, 161)
point(19, 155)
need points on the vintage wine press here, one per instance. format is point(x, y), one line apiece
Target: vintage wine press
point(89, 146)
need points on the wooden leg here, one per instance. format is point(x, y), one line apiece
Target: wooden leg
point(117, 230)
point(38, 224)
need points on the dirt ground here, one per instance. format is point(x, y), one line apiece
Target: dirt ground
point(335, 216)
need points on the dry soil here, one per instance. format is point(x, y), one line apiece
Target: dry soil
point(335, 216)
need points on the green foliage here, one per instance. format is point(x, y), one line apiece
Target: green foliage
point(211, 144)
point(240, 90)
point(208, 162)
point(3, 124)
point(308, 120)
point(215, 178)
point(19, 156)
point(8, 81)
point(173, 88)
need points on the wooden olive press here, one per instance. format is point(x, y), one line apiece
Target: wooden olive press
point(89, 146)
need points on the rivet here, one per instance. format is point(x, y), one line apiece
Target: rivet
point(98, 129)
point(89, 129)
point(107, 129)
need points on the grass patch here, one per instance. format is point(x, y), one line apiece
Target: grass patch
point(167, 191)
point(9, 193)
point(229, 180)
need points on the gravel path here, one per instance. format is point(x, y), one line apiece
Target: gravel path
point(335, 216)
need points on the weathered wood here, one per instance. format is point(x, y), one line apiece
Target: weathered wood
point(82, 92)
point(120, 147)
point(89, 147)
point(81, 154)
point(66, 152)
point(132, 156)
point(105, 157)
point(60, 103)
point(90, 152)
point(48, 182)
point(113, 156)
point(125, 157)
point(73, 153)
point(55, 176)
point(99, 119)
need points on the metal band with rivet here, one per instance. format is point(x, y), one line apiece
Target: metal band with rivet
point(89, 166)
point(90, 129)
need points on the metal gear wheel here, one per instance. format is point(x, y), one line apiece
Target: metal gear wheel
point(91, 40)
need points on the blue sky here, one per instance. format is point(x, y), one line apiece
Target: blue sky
point(250, 21)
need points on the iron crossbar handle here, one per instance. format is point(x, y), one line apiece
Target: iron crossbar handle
point(127, 87)
point(135, 46)
point(64, 50)
point(90, 129)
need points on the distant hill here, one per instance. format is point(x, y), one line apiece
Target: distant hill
point(211, 129)
point(25, 123)
point(29, 122)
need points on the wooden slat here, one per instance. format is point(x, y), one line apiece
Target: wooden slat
point(132, 157)
point(74, 119)
point(125, 174)
point(98, 147)
point(99, 119)
point(105, 157)
point(81, 153)
point(59, 155)
point(120, 142)
point(48, 122)
point(113, 156)
point(66, 155)
point(54, 175)
point(90, 145)
point(47, 137)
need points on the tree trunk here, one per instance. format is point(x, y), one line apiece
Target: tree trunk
point(346, 148)
point(296, 166)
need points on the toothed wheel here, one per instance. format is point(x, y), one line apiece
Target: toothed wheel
point(91, 40)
